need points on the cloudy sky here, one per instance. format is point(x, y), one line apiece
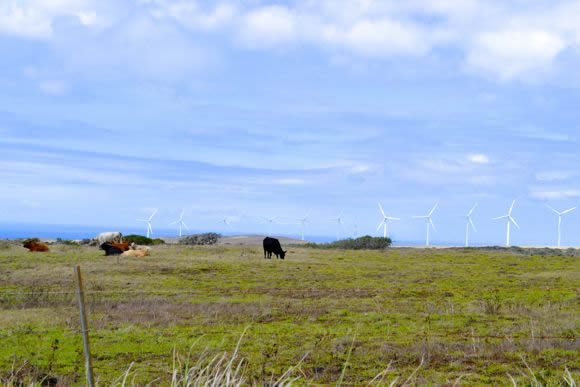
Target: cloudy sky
point(278, 108)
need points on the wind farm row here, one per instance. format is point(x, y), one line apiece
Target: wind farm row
point(385, 220)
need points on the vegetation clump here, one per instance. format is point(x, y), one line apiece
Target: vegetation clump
point(209, 238)
point(31, 240)
point(67, 242)
point(143, 240)
point(366, 242)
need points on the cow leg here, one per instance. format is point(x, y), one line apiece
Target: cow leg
point(264, 253)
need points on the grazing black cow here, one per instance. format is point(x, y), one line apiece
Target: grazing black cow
point(110, 249)
point(272, 245)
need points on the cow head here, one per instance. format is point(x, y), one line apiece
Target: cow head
point(282, 254)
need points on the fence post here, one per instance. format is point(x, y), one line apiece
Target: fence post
point(84, 328)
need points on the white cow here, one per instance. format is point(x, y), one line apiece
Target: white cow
point(111, 237)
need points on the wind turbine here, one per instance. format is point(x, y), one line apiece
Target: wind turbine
point(225, 221)
point(270, 221)
point(148, 221)
point(509, 220)
point(180, 222)
point(303, 224)
point(429, 221)
point(469, 222)
point(339, 222)
point(560, 220)
point(385, 220)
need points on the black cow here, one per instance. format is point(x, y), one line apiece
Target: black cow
point(272, 245)
point(110, 249)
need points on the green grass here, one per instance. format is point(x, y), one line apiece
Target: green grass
point(475, 314)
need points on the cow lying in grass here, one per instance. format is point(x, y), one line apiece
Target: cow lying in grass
point(34, 246)
point(115, 248)
point(125, 249)
point(136, 253)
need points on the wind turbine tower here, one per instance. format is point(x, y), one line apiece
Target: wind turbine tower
point(339, 223)
point(303, 224)
point(560, 214)
point(149, 221)
point(469, 222)
point(428, 221)
point(180, 222)
point(385, 220)
point(509, 220)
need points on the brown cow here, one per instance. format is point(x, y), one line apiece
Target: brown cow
point(123, 246)
point(35, 246)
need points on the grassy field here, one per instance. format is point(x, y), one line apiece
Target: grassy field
point(429, 316)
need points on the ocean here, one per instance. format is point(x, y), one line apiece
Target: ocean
point(76, 232)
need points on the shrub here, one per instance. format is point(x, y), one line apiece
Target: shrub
point(67, 242)
point(158, 241)
point(30, 240)
point(138, 240)
point(366, 242)
point(143, 240)
point(210, 238)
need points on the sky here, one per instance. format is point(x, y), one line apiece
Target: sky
point(253, 108)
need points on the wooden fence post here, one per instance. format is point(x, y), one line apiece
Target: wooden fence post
point(84, 328)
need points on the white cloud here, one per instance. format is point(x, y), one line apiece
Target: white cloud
point(87, 18)
point(290, 181)
point(513, 53)
point(35, 18)
point(385, 37)
point(189, 14)
point(540, 134)
point(29, 203)
point(498, 39)
point(557, 194)
point(478, 158)
point(554, 175)
point(53, 87)
point(269, 25)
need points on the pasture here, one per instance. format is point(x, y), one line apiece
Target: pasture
point(425, 316)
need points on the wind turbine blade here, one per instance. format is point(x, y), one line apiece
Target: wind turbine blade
point(501, 217)
point(169, 224)
point(153, 214)
point(434, 208)
point(432, 224)
point(382, 211)
point(472, 225)
point(380, 225)
point(392, 218)
point(511, 207)
point(514, 222)
point(419, 217)
point(185, 225)
point(472, 209)
point(551, 208)
point(568, 210)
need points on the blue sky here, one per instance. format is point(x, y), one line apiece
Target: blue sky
point(278, 108)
